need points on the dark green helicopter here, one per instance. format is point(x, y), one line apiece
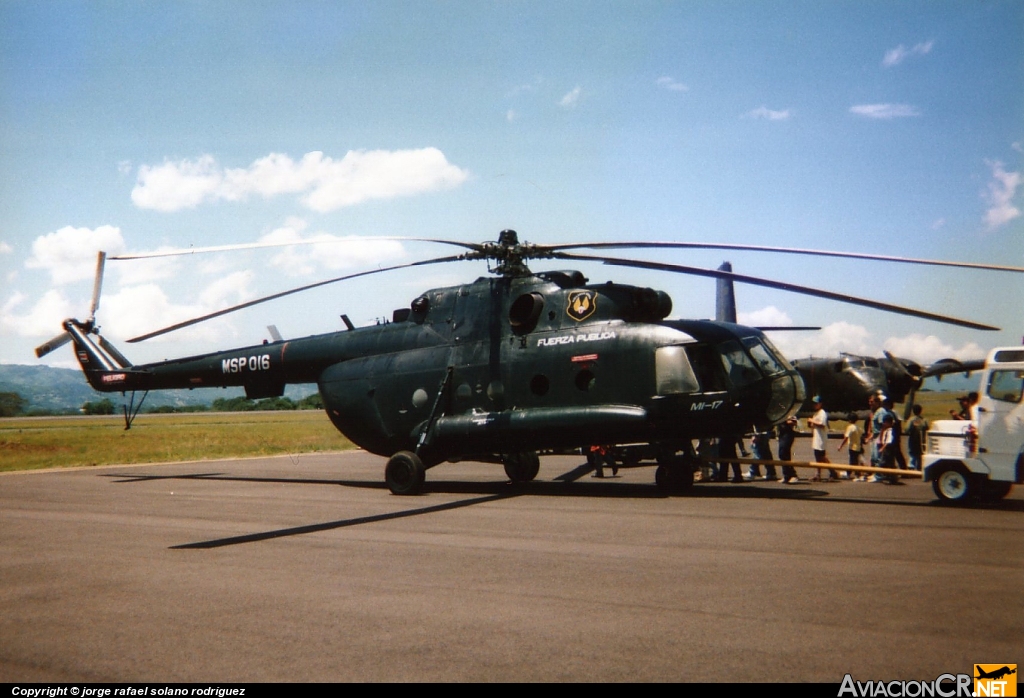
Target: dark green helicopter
point(506, 366)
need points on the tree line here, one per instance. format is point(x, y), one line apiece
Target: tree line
point(14, 405)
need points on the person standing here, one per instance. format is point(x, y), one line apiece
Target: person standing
point(897, 426)
point(853, 439)
point(917, 432)
point(787, 435)
point(761, 445)
point(727, 447)
point(878, 419)
point(887, 448)
point(819, 435)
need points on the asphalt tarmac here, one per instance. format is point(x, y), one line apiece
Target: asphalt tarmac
point(305, 568)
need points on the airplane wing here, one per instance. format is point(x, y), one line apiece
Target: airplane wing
point(943, 367)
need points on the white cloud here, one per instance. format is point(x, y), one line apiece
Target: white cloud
point(177, 185)
point(69, 254)
point(884, 111)
point(41, 320)
point(135, 310)
point(525, 87)
point(840, 337)
point(770, 114)
point(571, 98)
point(328, 184)
point(927, 349)
point(765, 317)
point(830, 340)
point(900, 53)
point(228, 290)
point(511, 115)
point(5, 248)
point(671, 84)
point(332, 252)
point(999, 196)
point(137, 271)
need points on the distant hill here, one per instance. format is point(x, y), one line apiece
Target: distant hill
point(65, 390)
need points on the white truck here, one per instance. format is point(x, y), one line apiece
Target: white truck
point(983, 457)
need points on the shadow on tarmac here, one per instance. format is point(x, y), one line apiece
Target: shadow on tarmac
point(566, 485)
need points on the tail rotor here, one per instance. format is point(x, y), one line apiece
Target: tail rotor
point(90, 324)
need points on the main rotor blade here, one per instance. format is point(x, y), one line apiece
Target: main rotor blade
point(781, 250)
point(264, 299)
point(784, 286)
point(260, 245)
point(97, 285)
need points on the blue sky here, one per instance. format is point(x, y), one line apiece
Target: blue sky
point(893, 128)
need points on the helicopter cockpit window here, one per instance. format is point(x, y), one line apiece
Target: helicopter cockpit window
point(673, 371)
point(1006, 386)
point(738, 366)
point(764, 358)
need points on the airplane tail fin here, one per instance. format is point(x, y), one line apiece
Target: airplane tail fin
point(725, 297)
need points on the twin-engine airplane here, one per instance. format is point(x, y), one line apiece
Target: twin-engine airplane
point(509, 365)
point(846, 382)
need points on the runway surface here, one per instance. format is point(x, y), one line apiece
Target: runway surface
point(305, 568)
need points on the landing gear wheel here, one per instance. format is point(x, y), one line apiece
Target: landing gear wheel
point(661, 477)
point(993, 491)
point(674, 477)
point(405, 473)
point(521, 467)
point(953, 485)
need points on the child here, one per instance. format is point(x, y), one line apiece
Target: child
point(854, 436)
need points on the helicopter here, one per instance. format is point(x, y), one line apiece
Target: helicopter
point(508, 365)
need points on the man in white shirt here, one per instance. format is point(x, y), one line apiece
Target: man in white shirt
point(819, 435)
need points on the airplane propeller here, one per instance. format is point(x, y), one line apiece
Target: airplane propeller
point(938, 369)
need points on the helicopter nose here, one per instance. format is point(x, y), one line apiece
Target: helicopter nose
point(788, 393)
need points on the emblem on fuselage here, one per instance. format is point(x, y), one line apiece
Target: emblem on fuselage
point(582, 305)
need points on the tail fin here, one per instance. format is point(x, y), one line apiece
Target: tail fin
point(104, 366)
point(725, 298)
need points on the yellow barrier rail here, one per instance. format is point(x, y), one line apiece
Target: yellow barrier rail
point(818, 466)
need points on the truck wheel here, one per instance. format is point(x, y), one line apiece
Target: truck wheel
point(953, 485)
point(405, 473)
point(995, 490)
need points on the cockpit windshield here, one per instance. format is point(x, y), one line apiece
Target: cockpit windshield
point(737, 364)
point(766, 356)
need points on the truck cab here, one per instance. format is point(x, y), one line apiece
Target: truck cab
point(983, 457)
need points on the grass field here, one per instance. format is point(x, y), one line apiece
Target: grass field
point(51, 442)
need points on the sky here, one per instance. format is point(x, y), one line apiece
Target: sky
point(892, 128)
